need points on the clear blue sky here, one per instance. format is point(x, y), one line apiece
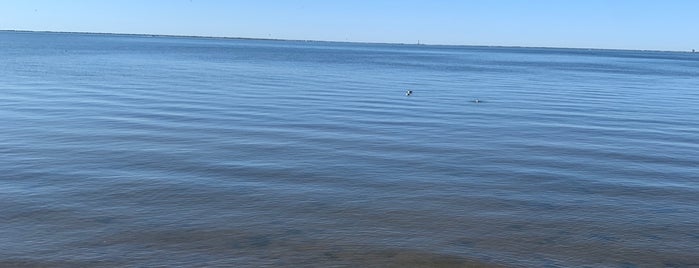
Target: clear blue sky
point(630, 24)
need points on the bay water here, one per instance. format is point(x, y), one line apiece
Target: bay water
point(146, 151)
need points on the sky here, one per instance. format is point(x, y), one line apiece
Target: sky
point(616, 24)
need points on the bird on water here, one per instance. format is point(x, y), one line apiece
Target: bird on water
point(408, 93)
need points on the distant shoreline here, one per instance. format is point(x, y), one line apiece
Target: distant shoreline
point(327, 41)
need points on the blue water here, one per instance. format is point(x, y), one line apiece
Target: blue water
point(139, 151)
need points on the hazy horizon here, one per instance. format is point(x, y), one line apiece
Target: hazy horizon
point(331, 41)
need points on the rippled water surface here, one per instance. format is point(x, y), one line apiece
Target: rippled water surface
point(143, 151)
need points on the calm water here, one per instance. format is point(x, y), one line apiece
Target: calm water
point(142, 151)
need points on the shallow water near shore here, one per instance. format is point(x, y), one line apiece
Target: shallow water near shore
point(140, 151)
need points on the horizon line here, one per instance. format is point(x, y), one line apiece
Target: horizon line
point(334, 41)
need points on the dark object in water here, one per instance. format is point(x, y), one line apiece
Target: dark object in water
point(408, 93)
